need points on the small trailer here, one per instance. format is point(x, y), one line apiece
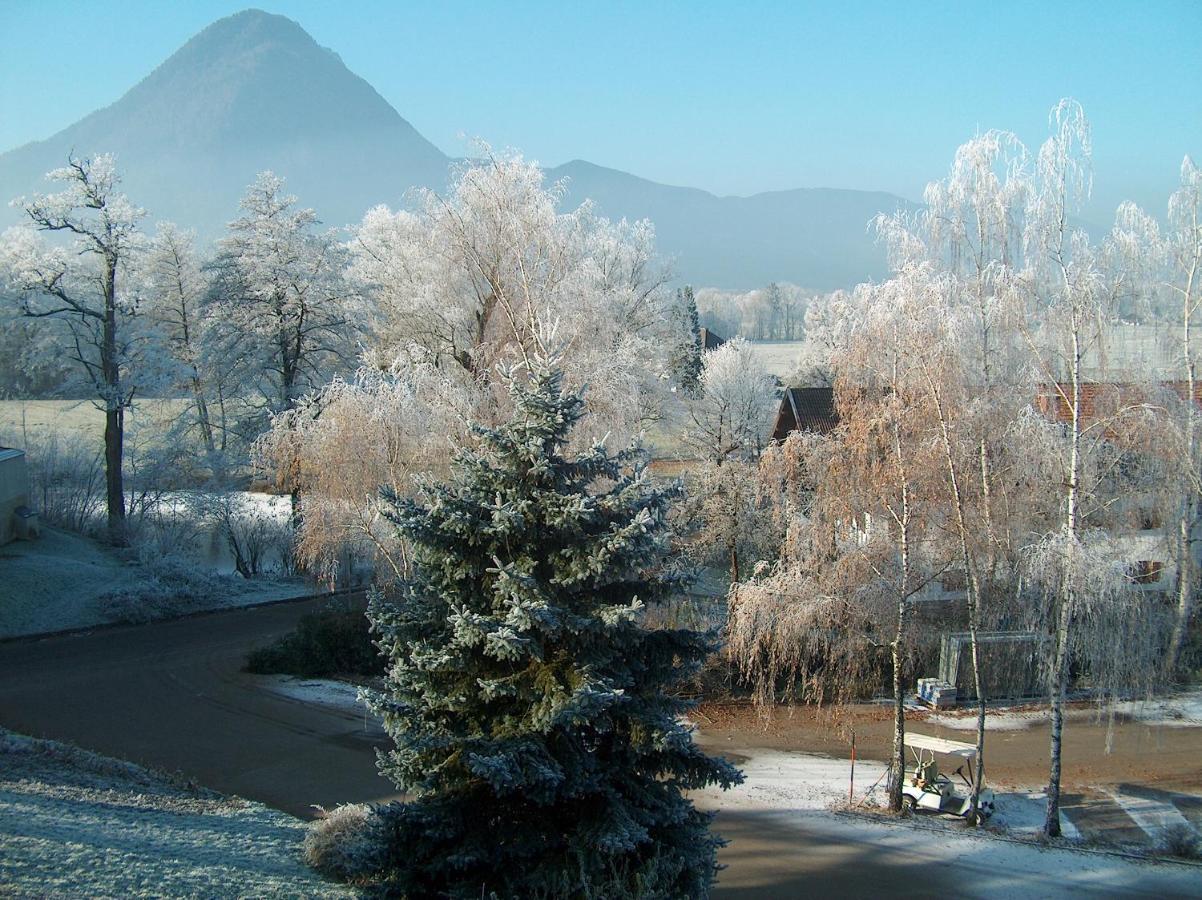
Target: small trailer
point(925, 787)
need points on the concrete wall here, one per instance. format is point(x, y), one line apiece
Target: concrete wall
point(14, 489)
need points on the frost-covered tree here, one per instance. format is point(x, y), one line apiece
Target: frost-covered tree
point(1184, 245)
point(736, 522)
point(80, 286)
point(176, 290)
point(732, 412)
point(473, 277)
point(1087, 453)
point(829, 319)
point(685, 364)
point(486, 275)
point(772, 313)
point(533, 714)
point(974, 367)
point(284, 307)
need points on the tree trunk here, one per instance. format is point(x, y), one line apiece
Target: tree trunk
point(1059, 687)
point(202, 415)
point(972, 589)
point(1185, 527)
point(897, 766)
point(114, 417)
point(114, 449)
point(1185, 589)
point(1059, 679)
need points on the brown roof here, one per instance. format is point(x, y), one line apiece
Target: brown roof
point(1100, 397)
point(805, 409)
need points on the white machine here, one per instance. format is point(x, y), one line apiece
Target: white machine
point(925, 787)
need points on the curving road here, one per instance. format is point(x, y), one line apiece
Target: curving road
point(172, 695)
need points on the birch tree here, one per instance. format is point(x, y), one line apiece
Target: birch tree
point(1087, 606)
point(176, 291)
point(1184, 246)
point(283, 302)
point(973, 367)
point(79, 285)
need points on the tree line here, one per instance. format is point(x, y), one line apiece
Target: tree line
point(981, 443)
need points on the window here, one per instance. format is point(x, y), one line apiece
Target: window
point(1145, 571)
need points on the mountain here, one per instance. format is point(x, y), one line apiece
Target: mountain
point(251, 92)
point(254, 91)
point(818, 238)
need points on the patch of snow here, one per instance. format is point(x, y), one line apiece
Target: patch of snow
point(802, 790)
point(322, 691)
point(1181, 710)
point(1153, 816)
point(999, 720)
point(782, 779)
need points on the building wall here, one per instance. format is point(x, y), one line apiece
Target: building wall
point(14, 489)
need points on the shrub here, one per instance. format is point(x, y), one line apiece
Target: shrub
point(343, 843)
point(335, 641)
point(171, 586)
point(1180, 841)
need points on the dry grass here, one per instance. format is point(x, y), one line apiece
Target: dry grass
point(82, 417)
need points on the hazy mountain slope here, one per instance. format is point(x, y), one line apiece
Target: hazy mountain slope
point(254, 91)
point(818, 238)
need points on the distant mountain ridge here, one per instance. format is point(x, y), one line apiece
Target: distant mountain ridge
point(254, 91)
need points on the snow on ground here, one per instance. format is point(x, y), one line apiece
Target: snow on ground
point(75, 824)
point(1181, 710)
point(781, 779)
point(63, 581)
point(322, 691)
point(777, 779)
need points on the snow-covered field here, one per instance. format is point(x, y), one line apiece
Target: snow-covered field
point(75, 824)
point(1181, 710)
point(64, 581)
point(778, 357)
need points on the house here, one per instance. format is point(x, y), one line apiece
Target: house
point(708, 340)
point(14, 491)
point(1135, 522)
point(810, 409)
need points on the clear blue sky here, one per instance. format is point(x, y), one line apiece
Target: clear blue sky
point(731, 97)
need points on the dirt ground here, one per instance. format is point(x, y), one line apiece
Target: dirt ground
point(1158, 756)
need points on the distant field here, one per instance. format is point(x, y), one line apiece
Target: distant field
point(779, 357)
point(82, 417)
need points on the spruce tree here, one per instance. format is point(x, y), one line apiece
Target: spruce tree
point(533, 713)
point(685, 363)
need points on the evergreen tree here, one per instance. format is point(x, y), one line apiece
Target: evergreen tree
point(685, 363)
point(533, 713)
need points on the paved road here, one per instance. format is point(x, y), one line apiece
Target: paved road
point(171, 695)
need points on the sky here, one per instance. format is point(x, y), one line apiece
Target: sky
point(735, 98)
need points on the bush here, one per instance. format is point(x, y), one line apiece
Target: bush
point(1180, 841)
point(172, 586)
point(344, 844)
point(335, 641)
